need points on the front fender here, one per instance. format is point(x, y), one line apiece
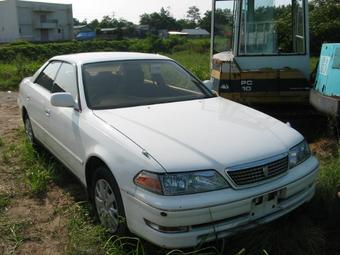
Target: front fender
point(123, 157)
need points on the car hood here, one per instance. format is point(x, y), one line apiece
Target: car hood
point(202, 134)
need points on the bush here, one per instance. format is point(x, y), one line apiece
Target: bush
point(20, 42)
point(22, 59)
point(44, 51)
point(152, 44)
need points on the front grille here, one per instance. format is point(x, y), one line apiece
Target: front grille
point(259, 173)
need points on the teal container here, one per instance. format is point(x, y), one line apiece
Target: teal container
point(328, 76)
point(325, 96)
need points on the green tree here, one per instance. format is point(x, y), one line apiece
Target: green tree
point(159, 20)
point(185, 23)
point(77, 22)
point(324, 23)
point(222, 18)
point(205, 22)
point(108, 21)
point(193, 14)
point(94, 24)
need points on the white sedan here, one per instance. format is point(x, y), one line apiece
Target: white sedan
point(160, 154)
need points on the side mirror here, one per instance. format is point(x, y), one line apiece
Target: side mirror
point(63, 99)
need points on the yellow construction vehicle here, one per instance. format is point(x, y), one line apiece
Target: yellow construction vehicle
point(260, 51)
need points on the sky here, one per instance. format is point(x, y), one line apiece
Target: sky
point(129, 9)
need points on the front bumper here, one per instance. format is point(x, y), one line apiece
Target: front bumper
point(224, 218)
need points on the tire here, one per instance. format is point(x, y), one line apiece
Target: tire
point(37, 146)
point(107, 201)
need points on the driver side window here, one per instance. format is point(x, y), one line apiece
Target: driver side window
point(66, 80)
point(46, 77)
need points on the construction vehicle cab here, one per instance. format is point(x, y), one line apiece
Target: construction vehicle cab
point(260, 51)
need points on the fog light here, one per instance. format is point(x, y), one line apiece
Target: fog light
point(170, 230)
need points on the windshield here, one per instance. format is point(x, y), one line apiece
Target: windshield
point(272, 27)
point(118, 84)
point(223, 25)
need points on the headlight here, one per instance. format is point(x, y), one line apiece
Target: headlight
point(299, 154)
point(181, 183)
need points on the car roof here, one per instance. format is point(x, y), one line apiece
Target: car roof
point(94, 57)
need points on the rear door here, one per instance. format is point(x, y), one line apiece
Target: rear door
point(37, 100)
point(64, 122)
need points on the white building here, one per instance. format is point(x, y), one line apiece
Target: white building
point(35, 21)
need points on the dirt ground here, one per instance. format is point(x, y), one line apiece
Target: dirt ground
point(9, 113)
point(28, 225)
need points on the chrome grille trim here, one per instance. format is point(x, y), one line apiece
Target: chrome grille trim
point(258, 172)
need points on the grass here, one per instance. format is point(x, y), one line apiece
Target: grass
point(328, 180)
point(13, 233)
point(38, 170)
point(4, 202)
point(197, 63)
point(12, 73)
point(313, 62)
point(84, 237)
point(88, 238)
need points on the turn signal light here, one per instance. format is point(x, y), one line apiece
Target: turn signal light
point(148, 181)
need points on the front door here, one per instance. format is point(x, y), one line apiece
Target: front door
point(38, 100)
point(64, 122)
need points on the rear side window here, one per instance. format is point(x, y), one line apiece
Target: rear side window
point(46, 77)
point(66, 80)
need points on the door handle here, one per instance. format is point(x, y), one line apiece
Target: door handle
point(28, 98)
point(47, 113)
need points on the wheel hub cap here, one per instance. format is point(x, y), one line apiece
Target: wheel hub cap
point(106, 205)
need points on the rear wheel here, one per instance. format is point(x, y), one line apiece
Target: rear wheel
point(107, 201)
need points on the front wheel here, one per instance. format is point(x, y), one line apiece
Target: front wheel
point(107, 201)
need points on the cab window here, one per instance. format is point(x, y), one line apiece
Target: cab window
point(66, 80)
point(46, 77)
